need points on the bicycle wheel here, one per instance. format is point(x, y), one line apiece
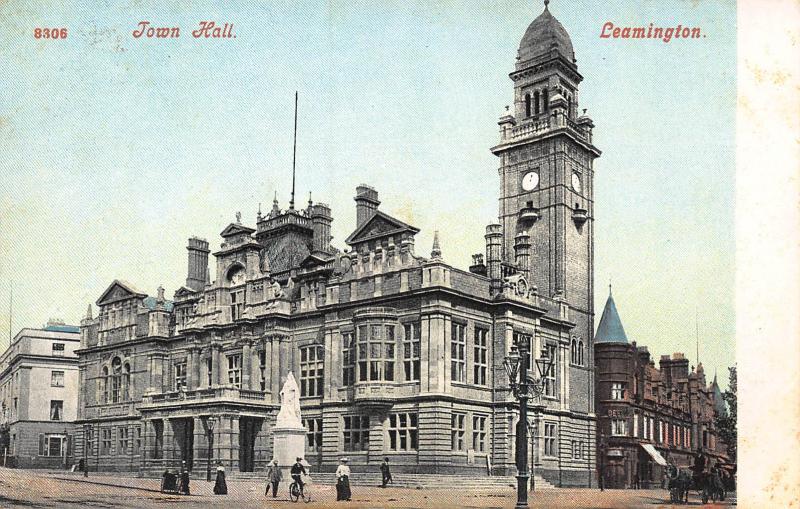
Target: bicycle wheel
point(294, 492)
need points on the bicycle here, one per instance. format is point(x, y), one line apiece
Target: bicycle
point(295, 493)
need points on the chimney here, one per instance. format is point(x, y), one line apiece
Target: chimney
point(522, 252)
point(198, 263)
point(366, 203)
point(478, 267)
point(321, 220)
point(493, 238)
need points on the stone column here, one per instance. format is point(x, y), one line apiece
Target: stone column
point(246, 364)
point(200, 446)
point(190, 381)
point(216, 362)
point(168, 446)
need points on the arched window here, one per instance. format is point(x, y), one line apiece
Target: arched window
point(569, 106)
point(126, 385)
point(527, 105)
point(104, 385)
point(545, 100)
point(573, 351)
point(580, 353)
point(116, 379)
point(536, 108)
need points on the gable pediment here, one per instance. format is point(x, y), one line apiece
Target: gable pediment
point(378, 226)
point(119, 290)
point(236, 229)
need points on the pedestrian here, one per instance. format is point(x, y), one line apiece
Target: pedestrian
point(274, 478)
point(600, 480)
point(220, 486)
point(385, 473)
point(297, 472)
point(343, 481)
point(183, 485)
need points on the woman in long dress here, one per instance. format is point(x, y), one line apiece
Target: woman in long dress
point(343, 481)
point(220, 486)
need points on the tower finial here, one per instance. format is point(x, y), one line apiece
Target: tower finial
point(294, 150)
point(546, 2)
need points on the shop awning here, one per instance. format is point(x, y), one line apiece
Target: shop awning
point(657, 457)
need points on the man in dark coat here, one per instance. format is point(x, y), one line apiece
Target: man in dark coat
point(183, 485)
point(274, 478)
point(385, 473)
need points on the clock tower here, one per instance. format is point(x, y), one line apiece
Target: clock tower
point(547, 181)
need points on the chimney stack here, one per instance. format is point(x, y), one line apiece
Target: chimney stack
point(493, 238)
point(198, 264)
point(366, 203)
point(321, 220)
point(522, 252)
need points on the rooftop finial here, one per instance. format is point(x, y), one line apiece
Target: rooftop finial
point(436, 251)
point(546, 2)
point(294, 151)
point(259, 210)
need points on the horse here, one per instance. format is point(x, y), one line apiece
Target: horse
point(679, 484)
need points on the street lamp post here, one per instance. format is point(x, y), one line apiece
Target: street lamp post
point(210, 428)
point(86, 430)
point(65, 444)
point(516, 364)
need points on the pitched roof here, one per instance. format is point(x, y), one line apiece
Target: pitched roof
point(378, 226)
point(119, 290)
point(610, 329)
point(235, 229)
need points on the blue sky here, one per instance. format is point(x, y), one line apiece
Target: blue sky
point(114, 150)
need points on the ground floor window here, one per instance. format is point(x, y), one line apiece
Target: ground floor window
point(105, 441)
point(459, 429)
point(122, 434)
point(314, 434)
point(550, 439)
point(356, 432)
point(53, 445)
point(479, 433)
point(619, 427)
point(403, 431)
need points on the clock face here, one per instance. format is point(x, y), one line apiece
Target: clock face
point(530, 181)
point(576, 182)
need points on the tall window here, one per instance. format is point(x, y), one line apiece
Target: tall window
point(356, 432)
point(479, 433)
point(545, 100)
point(348, 359)
point(403, 431)
point(573, 351)
point(57, 379)
point(458, 431)
point(126, 382)
point(581, 354)
point(458, 349)
point(518, 336)
point(105, 442)
point(116, 379)
point(619, 427)
point(314, 434)
point(237, 304)
point(122, 436)
point(58, 349)
point(536, 102)
point(311, 370)
point(411, 350)
point(210, 371)
point(235, 370)
point(376, 353)
point(481, 357)
point(527, 105)
point(550, 439)
point(262, 369)
point(137, 442)
point(617, 390)
point(180, 375)
point(56, 410)
point(549, 352)
point(104, 384)
point(635, 424)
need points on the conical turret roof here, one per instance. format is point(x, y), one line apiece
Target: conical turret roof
point(610, 329)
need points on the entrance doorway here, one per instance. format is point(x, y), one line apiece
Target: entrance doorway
point(248, 432)
point(183, 430)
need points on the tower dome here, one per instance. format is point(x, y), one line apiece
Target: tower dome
point(543, 35)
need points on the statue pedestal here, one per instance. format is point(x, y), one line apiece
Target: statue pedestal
point(288, 445)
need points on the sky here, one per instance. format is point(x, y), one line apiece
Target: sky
point(115, 150)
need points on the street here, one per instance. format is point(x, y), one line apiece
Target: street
point(48, 489)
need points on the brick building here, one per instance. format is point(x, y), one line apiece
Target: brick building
point(649, 416)
point(397, 354)
point(39, 396)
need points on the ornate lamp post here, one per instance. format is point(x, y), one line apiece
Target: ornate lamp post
point(86, 430)
point(210, 427)
point(523, 387)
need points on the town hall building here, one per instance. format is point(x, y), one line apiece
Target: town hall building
point(397, 353)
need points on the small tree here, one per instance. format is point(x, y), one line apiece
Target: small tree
point(726, 424)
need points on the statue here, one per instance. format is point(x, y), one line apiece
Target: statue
point(277, 292)
point(289, 414)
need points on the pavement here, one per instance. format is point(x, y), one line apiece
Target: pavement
point(32, 489)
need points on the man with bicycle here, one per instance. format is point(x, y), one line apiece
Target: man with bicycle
point(297, 471)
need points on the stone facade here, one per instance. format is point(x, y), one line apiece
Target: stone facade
point(670, 407)
point(397, 354)
point(39, 397)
